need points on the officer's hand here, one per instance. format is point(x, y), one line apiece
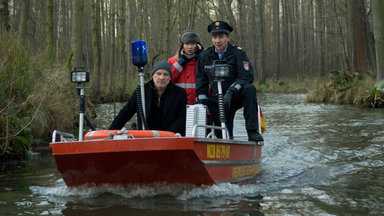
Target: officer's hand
point(228, 99)
point(183, 60)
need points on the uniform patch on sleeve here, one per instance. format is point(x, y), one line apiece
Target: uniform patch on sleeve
point(246, 65)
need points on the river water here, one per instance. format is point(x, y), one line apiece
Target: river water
point(317, 160)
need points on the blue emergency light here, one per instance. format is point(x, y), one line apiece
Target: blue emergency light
point(139, 53)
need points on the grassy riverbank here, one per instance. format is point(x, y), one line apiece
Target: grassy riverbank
point(35, 97)
point(344, 87)
point(286, 86)
point(340, 87)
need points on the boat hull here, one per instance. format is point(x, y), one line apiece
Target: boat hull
point(156, 160)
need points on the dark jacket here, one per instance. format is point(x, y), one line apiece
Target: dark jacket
point(173, 107)
point(241, 70)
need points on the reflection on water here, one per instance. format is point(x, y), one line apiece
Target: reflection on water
point(317, 160)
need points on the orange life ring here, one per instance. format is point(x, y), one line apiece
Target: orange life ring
point(102, 134)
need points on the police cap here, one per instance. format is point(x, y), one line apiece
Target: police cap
point(219, 27)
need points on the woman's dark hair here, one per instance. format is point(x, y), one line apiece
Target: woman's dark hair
point(181, 47)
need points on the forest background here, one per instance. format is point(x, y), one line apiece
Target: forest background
point(333, 50)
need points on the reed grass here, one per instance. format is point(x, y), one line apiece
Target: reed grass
point(286, 85)
point(35, 97)
point(340, 87)
point(16, 78)
point(343, 87)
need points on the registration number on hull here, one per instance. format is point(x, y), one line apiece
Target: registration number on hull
point(215, 151)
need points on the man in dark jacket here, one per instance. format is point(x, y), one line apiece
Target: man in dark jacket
point(237, 88)
point(165, 103)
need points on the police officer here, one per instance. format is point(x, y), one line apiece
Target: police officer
point(237, 88)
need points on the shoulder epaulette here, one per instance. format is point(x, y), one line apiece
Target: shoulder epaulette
point(207, 48)
point(235, 46)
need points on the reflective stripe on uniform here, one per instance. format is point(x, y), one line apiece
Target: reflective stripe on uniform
point(186, 85)
point(178, 66)
point(236, 86)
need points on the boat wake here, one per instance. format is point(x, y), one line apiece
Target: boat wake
point(178, 191)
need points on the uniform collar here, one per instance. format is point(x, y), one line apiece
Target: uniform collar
point(221, 55)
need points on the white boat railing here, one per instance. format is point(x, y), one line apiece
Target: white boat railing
point(211, 134)
point(64, 137)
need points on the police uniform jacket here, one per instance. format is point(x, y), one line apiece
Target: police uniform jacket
point(172, 104)
point(241, 71)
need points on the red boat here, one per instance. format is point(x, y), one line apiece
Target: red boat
point(145, 157)
point(183, 160)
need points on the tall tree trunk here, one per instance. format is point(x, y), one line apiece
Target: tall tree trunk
point(59, 27)
point(87, 32)
point(262, 42)
point(168, 28)
point(242, 20)
point(4, 15)
point(132, 11)
point(289, 38)
point(304, 39)
point(104, 39)
point(123, 62)
point(67, 24)
point(147, 30)
point(23, 26)
point(141, 24)
point(320, 37)
point(253, 43)
point(378, 29)
point(95, 23)
point(112, 46)
point(49, 47)
point(230, 16)
point(339, 22)
point(276, 37)
point(221, 12)
point(77, 33)
point(358, 34)
point(192, 13)
point(371, 61)
point(99, 43)
point(312, 67)
point(285, 50)
point(297, 43)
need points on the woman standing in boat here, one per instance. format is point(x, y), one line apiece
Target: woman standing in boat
point(165, 103)
point(184, 63)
